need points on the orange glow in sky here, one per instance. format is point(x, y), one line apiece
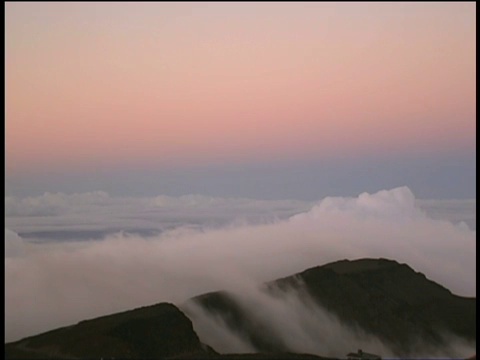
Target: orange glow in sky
point(178, 83)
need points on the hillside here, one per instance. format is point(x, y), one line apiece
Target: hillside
point(384, 298)
point(387, 299)
point(157, 331)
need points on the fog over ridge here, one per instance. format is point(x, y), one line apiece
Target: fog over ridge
point(295, 322)
point(56, 284)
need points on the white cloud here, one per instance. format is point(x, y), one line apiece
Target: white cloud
point(71, 214)
point(55, 284)
point(97, 212)
point(395, 205)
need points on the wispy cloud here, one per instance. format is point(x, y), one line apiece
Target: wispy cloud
point(292, 320)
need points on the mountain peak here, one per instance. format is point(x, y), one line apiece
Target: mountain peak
point(383, 297)
point(355, 266)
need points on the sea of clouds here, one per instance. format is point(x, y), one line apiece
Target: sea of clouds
point(148, 250)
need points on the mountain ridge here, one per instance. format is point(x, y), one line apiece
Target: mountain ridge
point(385, 298)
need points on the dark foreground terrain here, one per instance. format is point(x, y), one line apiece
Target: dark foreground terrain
point(383, 297)
point(156, 331)
point(386, 299)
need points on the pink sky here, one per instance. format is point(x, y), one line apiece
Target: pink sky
point(202, 82)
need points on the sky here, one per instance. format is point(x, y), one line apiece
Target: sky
point(254, 100)
point(156, 151)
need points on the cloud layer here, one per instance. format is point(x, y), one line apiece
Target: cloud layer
point(54, 284)
point(93, 215)
point(96, 214)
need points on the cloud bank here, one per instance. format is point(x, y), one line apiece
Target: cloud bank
point(93, 215)
point(55, 284)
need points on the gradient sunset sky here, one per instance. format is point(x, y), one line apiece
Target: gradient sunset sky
point(264, 100)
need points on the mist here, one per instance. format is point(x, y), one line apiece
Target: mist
point(294, 322)
point(54, 284)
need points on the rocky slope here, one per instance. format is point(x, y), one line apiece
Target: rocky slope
point(158, 331)
point(389, 300)
point(383, 297)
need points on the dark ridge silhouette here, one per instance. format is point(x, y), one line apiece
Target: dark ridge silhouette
point(156, 331)
point(385, 298)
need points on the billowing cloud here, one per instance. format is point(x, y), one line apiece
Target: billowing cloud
point(54, 284)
